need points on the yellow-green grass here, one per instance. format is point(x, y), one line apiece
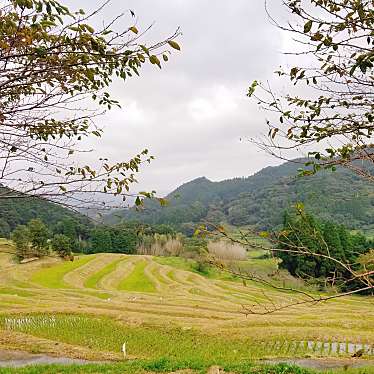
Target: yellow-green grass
point(190, 347)
point(163, 280)
point(137, 280)
point(15, 292)
point(100, 295)
point(255, 265)
point(164, 365)
point(94, 280)
point(171, 275)
point(202, 315)
point(104, 334)
point(191, 265)
point(53, 277)
point(176, 262)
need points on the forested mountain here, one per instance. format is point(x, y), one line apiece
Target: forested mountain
point(19, 211)
point(261, 199)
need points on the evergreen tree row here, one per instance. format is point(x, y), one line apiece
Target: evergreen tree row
point(303, 233)
point(36, 239)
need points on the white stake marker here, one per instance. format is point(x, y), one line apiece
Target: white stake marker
point(124, 350)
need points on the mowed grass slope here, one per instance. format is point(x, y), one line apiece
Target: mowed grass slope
point(137, 281)
point(53, 277)
point(164, 308)
point(94, 280)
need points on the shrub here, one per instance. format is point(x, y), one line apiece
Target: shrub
point(201, 266)
point(194, 247)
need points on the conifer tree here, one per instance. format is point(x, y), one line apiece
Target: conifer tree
point(101, 240)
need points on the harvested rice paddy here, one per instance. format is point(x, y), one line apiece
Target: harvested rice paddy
point(163, 308)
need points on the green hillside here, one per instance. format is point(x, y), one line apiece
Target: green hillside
point(261, 199)
point(20, 210)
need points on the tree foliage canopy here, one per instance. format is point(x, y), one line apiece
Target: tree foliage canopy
point(31, 239)
point(331, 115)
point(54, 65)
point(324, 241)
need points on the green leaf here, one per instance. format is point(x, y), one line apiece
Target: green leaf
point(252, 89)
point(308, 26)
point(134, 29)
point(154, 60)
point(144, 48)
point(89, 28)
point(299, 207)
point(174, 45)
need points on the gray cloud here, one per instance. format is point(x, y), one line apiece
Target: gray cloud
point(193, 113)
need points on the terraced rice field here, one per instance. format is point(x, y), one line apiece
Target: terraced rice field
point(161, 308)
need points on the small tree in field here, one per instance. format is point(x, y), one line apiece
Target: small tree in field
point(39, 236)
point(332, 116)
point(62, 245)
point(54, 68)
point(31, 239)
point(21, 239)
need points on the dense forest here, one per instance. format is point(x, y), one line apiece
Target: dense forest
point(19, 211)
point(258, 201)
point(261, 199)
point(323, 240)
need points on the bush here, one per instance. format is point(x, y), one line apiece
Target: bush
point(4, 229)
point(201, 266)
point(194, 247)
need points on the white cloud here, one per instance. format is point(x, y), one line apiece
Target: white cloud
point(193, 113)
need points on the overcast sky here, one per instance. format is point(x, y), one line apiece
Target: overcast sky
point(193, 115)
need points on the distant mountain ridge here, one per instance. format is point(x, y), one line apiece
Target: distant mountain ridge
point(261, 199)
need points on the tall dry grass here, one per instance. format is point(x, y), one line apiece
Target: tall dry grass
point(161, 245)
point(223, 250)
